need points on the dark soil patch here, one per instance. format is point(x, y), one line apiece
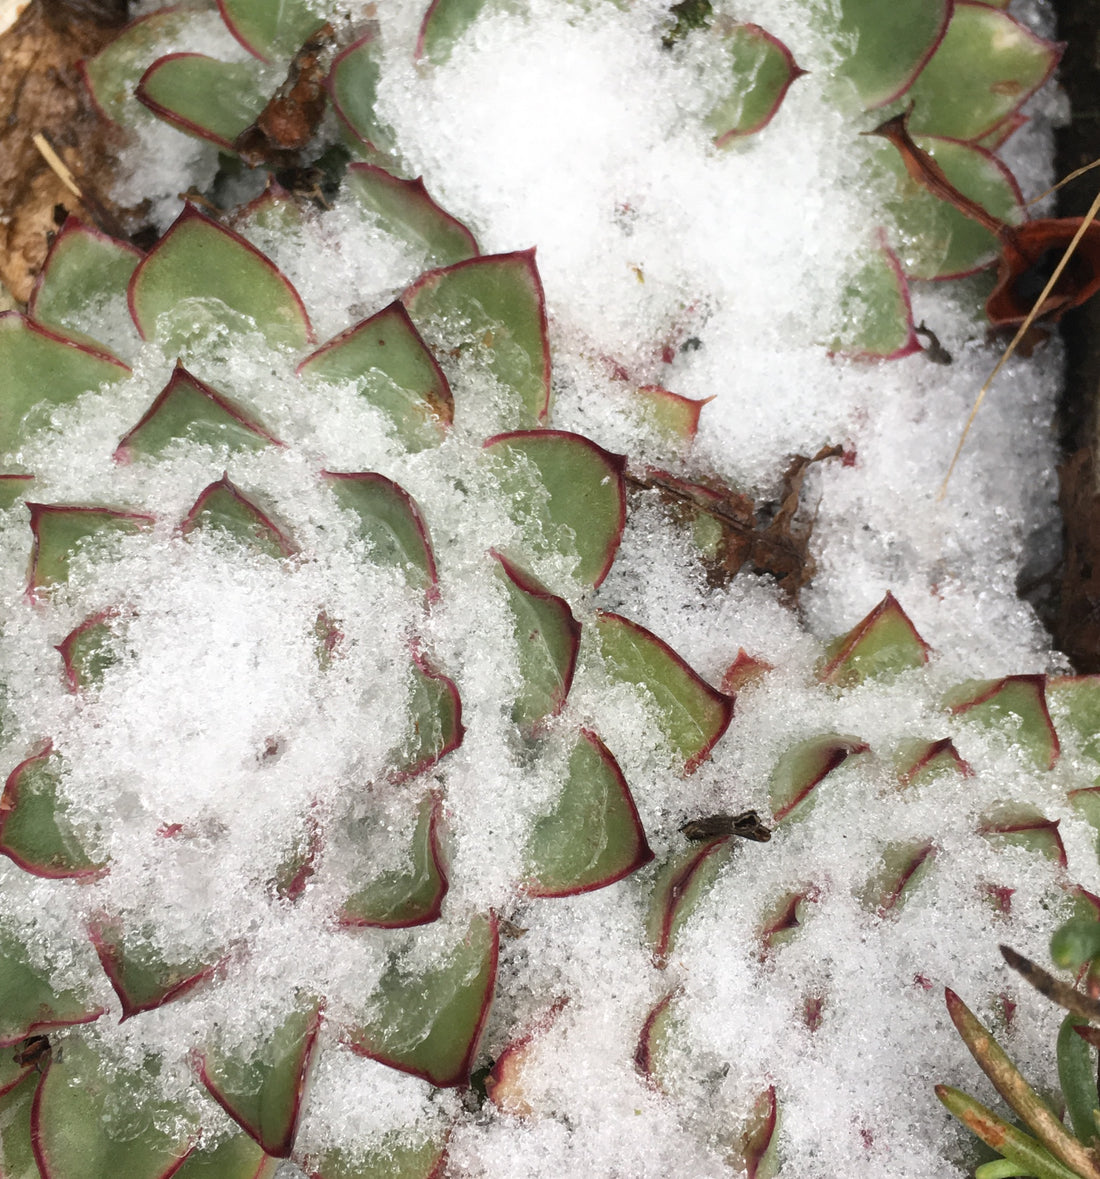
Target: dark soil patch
point(1075, 613)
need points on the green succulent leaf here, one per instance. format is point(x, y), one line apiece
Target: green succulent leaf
point(34, 831)
point(16, 1147)
point(141, 977)
point(987, 65)
point(271, 31)
point(353, 87)
point(29, 1005)
point(881, 646)
point(390, 522)
point(393, 370)
point(785, 918)
point(198, 259)
point(566, 494)
point(1020, 825)
point(398, 1157)
point(223, 507)
point(681, 882)
point(443, 26)
point(233, 1158)
point(674, 419)
point(60, 530)
point(1019, 1148)
point(87, 651)
point(759, 1145)
point(85, 274)
point(875, 315)
point(904, 865)
point(504, 1082)
point(1075, 942)
point(1015, 706)
point(404, 209)
point(1077, 1079)
point(920, 762)
point(399, 899)
point(204, 97)
point(494, 304)
point(40, 366)
point(13, 488)
point(1075, 700)
point(689, 713)
point(435, 710)
point(188, 408)
point(803, 767)
point(547, 637)
point(92, 1121)
point(593, 836)
point(884, 47)
point(658, 1032)
point(429, 1023)
point(934, 239)
point(263, 1095)
point(114, 72)
point(761, 70)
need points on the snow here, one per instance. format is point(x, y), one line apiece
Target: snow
point(568, 128)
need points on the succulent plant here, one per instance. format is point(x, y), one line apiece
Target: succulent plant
point(262, 588)
point(963, 70)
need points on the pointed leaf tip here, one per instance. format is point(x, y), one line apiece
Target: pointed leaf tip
point(499, 302)
point(690, 714)
point(568, 496)
point(880, 646)
point(264, 1095)
point(593, 836)
point(224, 507)
point(138, 973)
point(199, 259)
point(548, 639)
point(189, 408)
point(429, 1024)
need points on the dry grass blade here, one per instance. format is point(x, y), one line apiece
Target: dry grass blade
point(57, 164)
point(1021, 332)
point(1011, 1085)
point(1063, 182)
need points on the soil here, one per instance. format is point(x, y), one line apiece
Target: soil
point(42, 93)
point(1074, 615)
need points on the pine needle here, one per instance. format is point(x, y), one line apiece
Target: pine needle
point(1021, 331)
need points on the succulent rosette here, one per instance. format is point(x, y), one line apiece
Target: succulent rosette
point(262, 700)
point(313, 695)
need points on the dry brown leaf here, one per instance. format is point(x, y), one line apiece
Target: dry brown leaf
point(777, 543)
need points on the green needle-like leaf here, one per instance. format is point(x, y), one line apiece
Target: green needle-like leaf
point(1019, 1148)
point(1009, 1082)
